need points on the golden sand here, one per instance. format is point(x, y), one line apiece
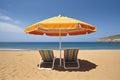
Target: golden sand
point(94, 65)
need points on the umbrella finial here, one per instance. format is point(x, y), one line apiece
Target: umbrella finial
point(59, 15)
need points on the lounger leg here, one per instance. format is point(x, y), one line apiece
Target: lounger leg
point(64, 63)
point(78, 63)
point(53, 63)
point(41, 61)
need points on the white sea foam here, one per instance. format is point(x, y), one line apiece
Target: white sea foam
point(10, 49)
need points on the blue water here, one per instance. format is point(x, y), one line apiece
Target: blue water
point(55, 45)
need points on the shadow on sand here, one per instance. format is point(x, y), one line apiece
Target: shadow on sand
point(85, 65)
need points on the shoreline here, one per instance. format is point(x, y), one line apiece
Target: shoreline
point(13, 49)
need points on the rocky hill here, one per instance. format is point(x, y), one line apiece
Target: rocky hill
point(114, 38)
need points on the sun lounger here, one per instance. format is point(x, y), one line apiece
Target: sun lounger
point(47, 57)
point(70, 56)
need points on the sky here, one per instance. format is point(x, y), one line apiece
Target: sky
point(16, 15)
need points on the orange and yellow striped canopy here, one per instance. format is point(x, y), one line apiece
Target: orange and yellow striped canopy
point(60, 25)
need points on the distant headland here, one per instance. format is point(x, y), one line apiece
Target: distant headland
point(113, 38)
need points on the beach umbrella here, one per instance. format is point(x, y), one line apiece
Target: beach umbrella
point(60, 26)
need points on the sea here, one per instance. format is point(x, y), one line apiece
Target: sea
point(55, 45)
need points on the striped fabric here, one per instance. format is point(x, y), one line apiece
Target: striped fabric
point(47, 55)
point(70, 54)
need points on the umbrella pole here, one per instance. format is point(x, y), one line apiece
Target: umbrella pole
point(60, 47)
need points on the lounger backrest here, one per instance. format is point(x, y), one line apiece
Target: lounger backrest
point(70, 54)
point(47, 55)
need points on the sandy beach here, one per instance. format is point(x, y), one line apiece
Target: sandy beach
point(94, 65)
